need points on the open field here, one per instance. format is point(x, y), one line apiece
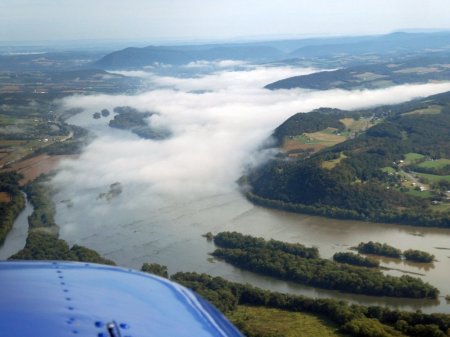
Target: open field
point(368, 76)
point(260, 321)
point(412, 157)
point(291, 145)
point(347, 122)
point(314, 141)
point(12, 151)
point(420, 194)
point(442, 207)
point(388, 169)
point(433, 177)
point(8, 143)
point(7, 120)
point(330, 164)
point(431, 110)
point(323, 137)
point(382, 84)
point(357, 125)
point(417, 70)
point(34, 167)
point(435, 164)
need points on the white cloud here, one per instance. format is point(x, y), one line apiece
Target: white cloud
point(215, 64)
point(215, 134)
point(236, 80)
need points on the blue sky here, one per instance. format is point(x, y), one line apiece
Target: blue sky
point(166, 20)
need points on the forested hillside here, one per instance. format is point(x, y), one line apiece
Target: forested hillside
point(388, 164)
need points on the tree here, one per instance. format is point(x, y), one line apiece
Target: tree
point(155, 268)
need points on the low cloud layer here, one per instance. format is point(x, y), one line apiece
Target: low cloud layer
point(218, 121)
point(215, 64)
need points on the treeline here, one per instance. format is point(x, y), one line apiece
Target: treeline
point(316, 120)
point(44, 246)
point(155, 268)
point(238, 240)
point(325, 274)
point(356, 260)
point(322, 273)
point(377, 248)
point(128, 118)
point(10, 209)
point(414, 218)
point(39, 194)
point(355, 320)
point(418, 256)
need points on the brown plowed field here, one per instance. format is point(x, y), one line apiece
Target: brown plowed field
point(34, 167)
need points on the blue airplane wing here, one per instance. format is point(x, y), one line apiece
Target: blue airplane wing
point(56, 299)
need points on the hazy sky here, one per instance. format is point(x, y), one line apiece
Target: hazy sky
point(159, 20)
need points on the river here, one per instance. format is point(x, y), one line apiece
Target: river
point(16, 238)
point(168, 194)
point(172, 235)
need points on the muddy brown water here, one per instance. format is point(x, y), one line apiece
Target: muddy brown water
point(171, 234)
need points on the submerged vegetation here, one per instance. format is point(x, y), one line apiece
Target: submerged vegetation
point(273, 260)
point(128, 118)
point(418, 256)
point(356, 260)
point(380, 249)
point(237, 240)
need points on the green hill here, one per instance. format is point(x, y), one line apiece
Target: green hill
point(357, 164)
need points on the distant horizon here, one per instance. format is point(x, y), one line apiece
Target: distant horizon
point(200, 41)
point(205, 21)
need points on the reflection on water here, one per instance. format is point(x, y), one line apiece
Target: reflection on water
point(399, 263)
